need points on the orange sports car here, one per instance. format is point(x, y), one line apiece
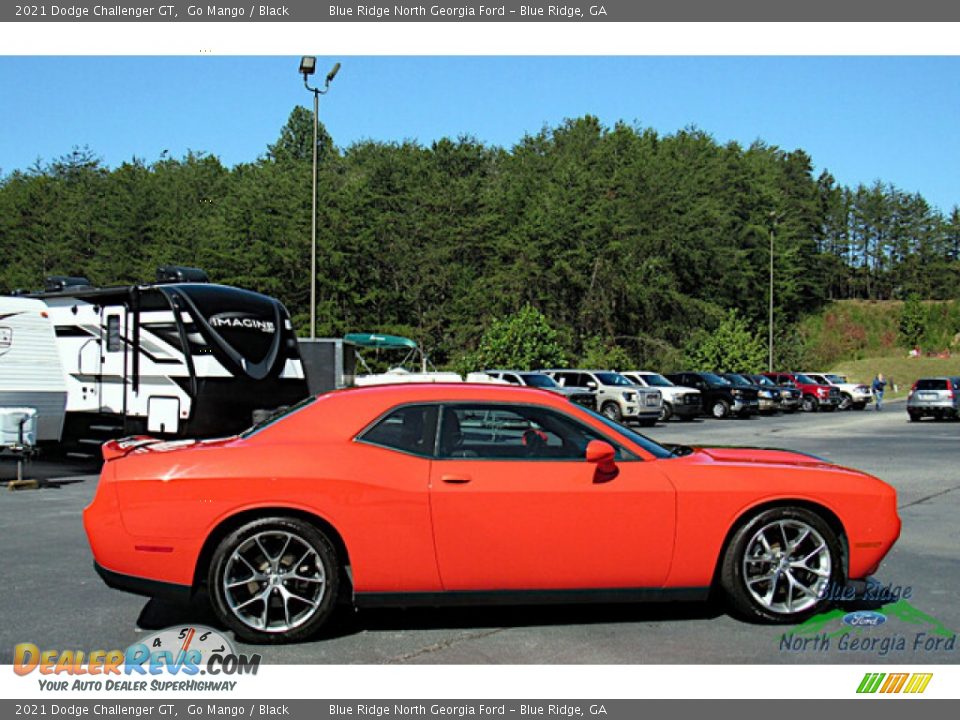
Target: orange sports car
point(436, 494)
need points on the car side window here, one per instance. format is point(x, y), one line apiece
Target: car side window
point(411, 429)
point(514, 432)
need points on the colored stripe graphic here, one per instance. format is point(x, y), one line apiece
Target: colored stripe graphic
point(894, 683)
point(870, 682)
point(918, 683)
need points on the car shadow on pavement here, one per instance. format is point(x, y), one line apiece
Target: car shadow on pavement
point(346, 621)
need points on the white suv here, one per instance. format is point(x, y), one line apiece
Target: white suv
point(679, 401)
point(617, 398)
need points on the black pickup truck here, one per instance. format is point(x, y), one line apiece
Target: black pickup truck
point(720, 397)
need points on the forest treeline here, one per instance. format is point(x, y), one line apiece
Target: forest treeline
point(618, 235)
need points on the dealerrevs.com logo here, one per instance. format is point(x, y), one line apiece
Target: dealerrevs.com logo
point(172, 659)
point(893, 683)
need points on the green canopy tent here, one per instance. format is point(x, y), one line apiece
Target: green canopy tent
point(388, 342)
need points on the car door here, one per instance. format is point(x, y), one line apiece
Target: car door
point(516, 506)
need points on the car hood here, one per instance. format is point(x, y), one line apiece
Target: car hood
point(762, 456)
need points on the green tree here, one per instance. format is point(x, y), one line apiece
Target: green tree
point(604, 354)
point(732, 347)
point(522, 341)
point(913, 321)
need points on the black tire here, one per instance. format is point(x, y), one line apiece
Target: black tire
point(612, 411)
point(846, 402)
point(914, 417)
point(742, 602)
point(666, 412)
point(809, 404)
point(720, 409)
point(270, 532)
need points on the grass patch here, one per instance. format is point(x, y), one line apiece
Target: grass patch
point(900, 370)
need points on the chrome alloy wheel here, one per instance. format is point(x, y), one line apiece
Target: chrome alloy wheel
point(274, 581)
point(786, 566)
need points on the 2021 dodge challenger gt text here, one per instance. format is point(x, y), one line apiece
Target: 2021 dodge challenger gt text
point(433, 494)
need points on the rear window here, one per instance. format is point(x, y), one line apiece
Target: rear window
point(932, 384)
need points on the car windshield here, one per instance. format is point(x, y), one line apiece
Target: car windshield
point(738, 380)
point(806, 379)
point(656, 380)
point(764, 380)
point(652, 447)
point(539, 380)
point(836, 378)
point(610, 378)
point(712, 379)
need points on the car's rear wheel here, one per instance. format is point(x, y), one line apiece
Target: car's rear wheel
point(274, 580)
point(666, 412)
point(612, 411)
point(779, 565)
point(914, 417)
point(720, 409)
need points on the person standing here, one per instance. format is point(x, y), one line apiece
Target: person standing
point(879, 385)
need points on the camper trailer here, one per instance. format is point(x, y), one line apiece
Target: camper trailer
point(30, 372)
point(181, 357)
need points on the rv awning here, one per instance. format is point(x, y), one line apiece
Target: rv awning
point(373, 340)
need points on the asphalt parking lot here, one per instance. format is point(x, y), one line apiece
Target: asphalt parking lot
point(52, 597)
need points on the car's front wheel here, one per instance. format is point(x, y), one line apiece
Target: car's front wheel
point(274, 580)
point(779, 566)
point(720, 409)
point(612, 411)
point(666, 412)
point(809, 403)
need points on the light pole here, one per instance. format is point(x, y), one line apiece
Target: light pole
point(308, 66)
point(774, 218)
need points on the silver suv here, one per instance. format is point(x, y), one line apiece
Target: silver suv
point(529, 378)
point(938, 397)
point(617, 398)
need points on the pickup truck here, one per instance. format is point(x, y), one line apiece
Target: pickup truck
point(816, 396)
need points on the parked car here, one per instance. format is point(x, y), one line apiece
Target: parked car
point(720, 398)
point(816, 396)
point(682, 402)
point(435, 494)
point(617, 398)
point(853, 396)
point(790, 396)
point(936, 397)
point(529, 378)
point(768, 401)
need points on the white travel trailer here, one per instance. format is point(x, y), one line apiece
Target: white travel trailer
point(30, 372)
point(178, 358)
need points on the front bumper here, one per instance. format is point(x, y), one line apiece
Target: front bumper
point(684, 410)
point(768, 405)
point(746, 407)
point(828, 402)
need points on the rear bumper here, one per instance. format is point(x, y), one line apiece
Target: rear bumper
point(932, 408)
point(144, 586)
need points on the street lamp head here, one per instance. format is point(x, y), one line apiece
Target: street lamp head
point(308, 65)
point(333, 73)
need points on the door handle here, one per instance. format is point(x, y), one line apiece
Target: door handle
point(455, 479)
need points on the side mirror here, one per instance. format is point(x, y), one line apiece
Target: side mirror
point(591, 384)
point(602, 454)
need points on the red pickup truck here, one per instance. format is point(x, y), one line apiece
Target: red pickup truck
point(815, 396)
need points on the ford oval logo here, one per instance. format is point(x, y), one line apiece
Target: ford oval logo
point(864, 618)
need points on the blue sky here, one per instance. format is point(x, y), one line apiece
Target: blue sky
point(862, 118)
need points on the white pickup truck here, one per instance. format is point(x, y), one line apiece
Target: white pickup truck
point(854, 396)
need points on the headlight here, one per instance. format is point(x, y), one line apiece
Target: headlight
point(628, 396)
point(766, 394)
point(737, 393)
